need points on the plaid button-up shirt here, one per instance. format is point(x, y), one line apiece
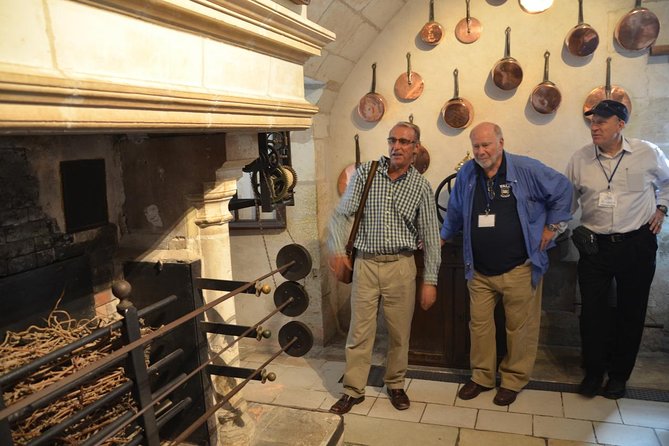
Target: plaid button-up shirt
point(398, 214)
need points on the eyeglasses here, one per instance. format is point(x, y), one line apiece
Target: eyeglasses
point(402, 141)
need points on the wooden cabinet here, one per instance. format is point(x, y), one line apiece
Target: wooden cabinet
point(440, 336)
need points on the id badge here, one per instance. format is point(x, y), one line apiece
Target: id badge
point(607, 200)
point(486, 220)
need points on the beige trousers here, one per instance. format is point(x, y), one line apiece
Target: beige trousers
point(522, 309)
point(393, 285)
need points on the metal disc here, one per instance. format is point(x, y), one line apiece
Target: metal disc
point(300, 256)
point(299, 330)
point(299, 294)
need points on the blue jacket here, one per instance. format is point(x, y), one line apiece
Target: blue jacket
point(543, 195)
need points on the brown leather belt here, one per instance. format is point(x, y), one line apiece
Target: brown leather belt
point(384, 257)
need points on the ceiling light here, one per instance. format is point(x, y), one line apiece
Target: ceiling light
point(535, 6)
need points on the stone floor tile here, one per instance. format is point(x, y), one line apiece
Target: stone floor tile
point(449, 415)
point(563, 429)
point(538, 402)
point(276, 425)
point(470, 437)
point(296, 377)
point(483, 401)
point(383, 409)
point(644, 413)
point(512, 423)
point(359, 430)
point(596, 409)
point(663, 435)
point(261, 393)
point(621, 435)
point(303, 398)
point(554, 442)
point(432, 391)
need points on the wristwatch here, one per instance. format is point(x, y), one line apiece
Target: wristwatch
point(554, 228)
point(662, 208)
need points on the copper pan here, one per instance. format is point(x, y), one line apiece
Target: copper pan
point(468, 30)
point(507, 73)
point(409, 85)
point(421, 159)
point(607, 92)
point(638, 29)
point(432, 31)
point(582, 40)
point(457, 112)
point(546, 97)
point(348, 171)
point(372, 106)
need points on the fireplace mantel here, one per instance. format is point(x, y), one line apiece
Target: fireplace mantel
point(108, 66)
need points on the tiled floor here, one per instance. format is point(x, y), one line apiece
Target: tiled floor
point(438, 417)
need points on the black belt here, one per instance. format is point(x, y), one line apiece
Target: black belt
point(619, 237)
point(384, 257)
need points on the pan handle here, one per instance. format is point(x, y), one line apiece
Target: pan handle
point(607, 87)
point(507, 48)
point(547, 54)
point(357, 150)
point(469, 18)
point(457, 86)
point(431, 10)
point(580, 12)
point(409, 68)
point(373, 77)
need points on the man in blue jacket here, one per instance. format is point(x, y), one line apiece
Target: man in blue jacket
point(510, 208)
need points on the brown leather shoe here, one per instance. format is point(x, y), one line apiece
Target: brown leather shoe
point(345, 403)
point(504, 397)
point(399, 399)
point(471, 390)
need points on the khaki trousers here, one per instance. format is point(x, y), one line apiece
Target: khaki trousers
point(393, 285)
point(522, 309)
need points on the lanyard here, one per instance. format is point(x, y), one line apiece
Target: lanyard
point(488, 191)
point(609, 178)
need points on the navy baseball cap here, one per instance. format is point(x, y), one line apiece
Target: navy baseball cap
point(608, 108)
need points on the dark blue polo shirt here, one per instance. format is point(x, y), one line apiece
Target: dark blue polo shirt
point(501, 248)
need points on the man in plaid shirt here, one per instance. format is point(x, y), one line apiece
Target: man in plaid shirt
point(399, 218)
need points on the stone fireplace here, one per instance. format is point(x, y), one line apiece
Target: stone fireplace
point(161, 96)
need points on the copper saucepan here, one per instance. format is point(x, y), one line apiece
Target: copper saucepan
point(468, 30)
point(421, 160)
point(409, 85)
point(347, 173)
point(638, 29)
point(457, 112)
point(607, 92)
point(432, 31)
point(582, 40)
point(546, 97)
point(507, 73)
point(372, 106)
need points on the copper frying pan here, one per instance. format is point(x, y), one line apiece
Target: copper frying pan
point(432, 31)
point(607, 92)
point(422, 159)
point(409, 85)
point(546, 97)
point(638, 29)
point(347, 173)
point(372, 106)
point(507, 73)
point(468, 30)
point(582, 40)
point(457, 112)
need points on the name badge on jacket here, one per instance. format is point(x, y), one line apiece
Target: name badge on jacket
point(486, 220)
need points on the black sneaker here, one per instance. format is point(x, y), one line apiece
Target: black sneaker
point(614, 389)
point(590, 385)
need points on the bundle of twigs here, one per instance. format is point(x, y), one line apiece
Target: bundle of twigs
point(20, 348)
